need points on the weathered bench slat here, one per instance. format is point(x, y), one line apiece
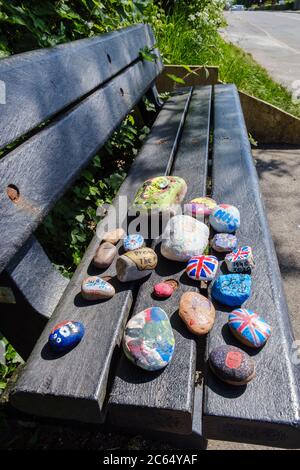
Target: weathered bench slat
point(41, 83)
point(164, 401)
point(44, 166)
point(267, 410)
point(74, 386)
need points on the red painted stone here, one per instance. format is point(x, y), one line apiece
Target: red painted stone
point(163, 290)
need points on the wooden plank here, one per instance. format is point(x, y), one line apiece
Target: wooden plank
point(267, 410)
point(74, 386)
point(44, 166)
point(164, 401)
point(43, 82)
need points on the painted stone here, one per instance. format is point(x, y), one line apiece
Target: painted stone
point(94, 288)
point(183, 238)
point(148, 339)
point(136, 264)
point(232, 365)
point(113, 236)
point(200, 207)
point(197, 312)
point(65, 336)
point(160, 194)
point(104, 255)
point(240, 260)
point(232, 289)
point(223, 242)
point(133, 241)
point(248, 327)
point(202, 268)
point(165, 289)
point(225, 218)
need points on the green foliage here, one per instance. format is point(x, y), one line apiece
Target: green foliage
point(8, 363)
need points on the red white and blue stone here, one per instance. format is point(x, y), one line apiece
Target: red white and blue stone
point(202, 268)
point(65, 336)
point(240, 260)
point(248, 327)
point(133, 242)
point(225, 218)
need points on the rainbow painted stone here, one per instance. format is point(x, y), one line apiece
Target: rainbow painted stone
point(133, 242)
point(148, 339)
point(240, 260)
point(202, 268)
point(200, 206)
point(248, 327)
point(232, 289)
point(225, 218)
point(163, 193)
point(232, 365)
point(223, 242)
point(65, 336)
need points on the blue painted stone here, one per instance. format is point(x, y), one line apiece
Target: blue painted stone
point(225, 218)
point(148, 339)
point(133, 242)
point(232, 289)
point(66, 335)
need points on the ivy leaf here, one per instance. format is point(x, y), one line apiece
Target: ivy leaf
point(80, 218)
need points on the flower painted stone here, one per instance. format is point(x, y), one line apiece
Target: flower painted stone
point(202, 268)
point(223, 242)
point(197, 312)
point(160, 194)
point(232, 365)
point(65, 336)
point(232, 289)
point(136, 264)
point(183, 238)
point(133, 241)
point(105, 255)
point(240, 260)
point(165, 288)
point(113, 236)
point(200, 207)
point(148, 339)
point(94, 288)
point(248, 327)
point(225, 218)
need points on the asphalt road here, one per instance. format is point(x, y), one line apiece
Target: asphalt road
point(273, 39)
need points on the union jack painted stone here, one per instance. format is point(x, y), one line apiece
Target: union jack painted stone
point(248, 327)
point(240, 260)
point(202, 268)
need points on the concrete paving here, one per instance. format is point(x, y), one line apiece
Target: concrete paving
point(273, 39)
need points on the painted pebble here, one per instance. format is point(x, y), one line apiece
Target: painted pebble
point(136, 264)
point(248, 327)
point(104, 255)
point(225, 218)
point(113, 236)
point(200, 207)
point(232, 365)
point(66, 335)
point(183, 238)
point(94, 288)
point(223, 242)
point(165, 289)
point(133, 241)
point(159, 194)
point(148, 339)
point(202, 268)
point(197, 312)
point(240, 260)
point(232, 289)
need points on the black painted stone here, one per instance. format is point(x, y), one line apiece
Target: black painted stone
point(232, 365)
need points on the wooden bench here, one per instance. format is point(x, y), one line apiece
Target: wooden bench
point(83, 90)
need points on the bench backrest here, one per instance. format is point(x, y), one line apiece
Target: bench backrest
point(83, 90)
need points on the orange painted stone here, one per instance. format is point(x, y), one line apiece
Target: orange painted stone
point(197, 312)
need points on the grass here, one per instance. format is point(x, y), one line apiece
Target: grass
point(179, 44)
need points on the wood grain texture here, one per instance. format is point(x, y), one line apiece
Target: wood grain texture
point(74, 386)
point(164, 401)
point(41, 83)
point(44, 166)
point(266, 411)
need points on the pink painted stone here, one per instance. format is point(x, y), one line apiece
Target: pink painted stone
point(163, 290)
